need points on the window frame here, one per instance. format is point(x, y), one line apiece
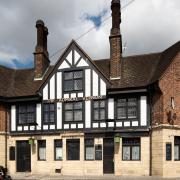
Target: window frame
point(85, 145)
point(126, 97)
point(73, 111)
point(67, 149)
point(26, 107)
point(177, 144)
point(131, 146)
point(46, 103)
point(99, 108)
point(73, 79)
point(41, 146)
point(60, 146)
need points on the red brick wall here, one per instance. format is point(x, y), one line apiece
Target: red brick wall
point(170, 87)
point(2, 118)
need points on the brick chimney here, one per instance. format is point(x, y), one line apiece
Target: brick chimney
point(41, 56)
point(115, 41)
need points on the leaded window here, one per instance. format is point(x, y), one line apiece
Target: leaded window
point(89, 149)
point(73, 149)
point(49, 113)
point(73, 111)
point(99, 111)
point(41, 150)
point(58, 149)
point(177, 148)
point(127, 108)
point(131, 149)
point(26, 113)
point(73, 81)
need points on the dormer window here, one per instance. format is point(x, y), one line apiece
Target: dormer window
point(73, 81)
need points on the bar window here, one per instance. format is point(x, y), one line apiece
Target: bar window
point(131, 149)
point(58, 149)
point(26, 113)
point(127, 108)
point(168, 151)
point(98, 152)
point(73, 149)
point(177, 148)
point(41, 150)
point(73, 111)
point(99, 110)
point(89, 149)
point(73, 81)
point(49, 113)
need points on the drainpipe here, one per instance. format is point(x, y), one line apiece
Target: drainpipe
point(150, 117)
point(6, 133)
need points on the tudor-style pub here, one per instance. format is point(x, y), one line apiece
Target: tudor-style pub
point(119, 115)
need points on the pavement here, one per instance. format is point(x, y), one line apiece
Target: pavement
point(23, 176)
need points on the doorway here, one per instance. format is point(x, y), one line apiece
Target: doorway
point(108, 156)
point(23, 156)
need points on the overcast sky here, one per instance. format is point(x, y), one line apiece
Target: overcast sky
point(147, 26)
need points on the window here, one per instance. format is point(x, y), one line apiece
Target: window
point(89, 149)
point(127, 108)
point(73, 111)
point(73, 149)
point(26, 113)
point(73, 81)
point(177, 148)
point(49, 113)
point(168, 151)
point(41, 150)
point(98, 152)
point(99, 110)
point(131, 149)
point(58, 149)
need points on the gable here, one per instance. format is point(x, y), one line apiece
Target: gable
point(94, 83)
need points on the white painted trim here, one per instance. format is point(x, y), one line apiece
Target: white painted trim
point(13, 118)
point(111, 108)
point(88, 82)
point(38, 116)
point(88, 114)
point(59, 85)
point(45, 92)
point(143, 107)
point(95, 84)
point(59, 115)
point(52, 87)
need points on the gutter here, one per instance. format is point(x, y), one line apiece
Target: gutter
point(6, 129)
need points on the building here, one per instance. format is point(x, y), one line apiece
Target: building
point(119, 115)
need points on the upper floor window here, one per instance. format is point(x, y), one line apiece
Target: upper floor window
point(99, 110)
point(26, 113)
point(73, 111)
point(49, 113)
point(73, 81)
point(127, 108)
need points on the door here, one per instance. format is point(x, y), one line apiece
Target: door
point(23, 156)
point(108, 155)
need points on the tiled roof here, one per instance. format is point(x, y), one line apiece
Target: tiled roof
point(137, 71)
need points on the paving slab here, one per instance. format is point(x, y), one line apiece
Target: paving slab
point(23, 176)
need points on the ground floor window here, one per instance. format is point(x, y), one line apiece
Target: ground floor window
point(177, 148)
point(73, 149)
point(131, 149)
point(89, 149)
point(58, 149)
point(98, 152)
point(168, 151)
point(41, 150)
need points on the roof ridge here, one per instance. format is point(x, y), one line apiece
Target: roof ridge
point(145, 54)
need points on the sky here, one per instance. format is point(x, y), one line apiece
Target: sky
point(147, 26)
